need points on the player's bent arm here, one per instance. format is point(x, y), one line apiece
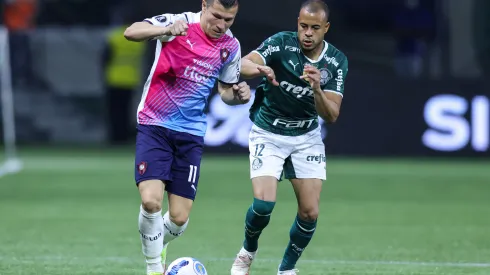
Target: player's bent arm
point(234, 94)
point(143, 31)
point(250, 64)
point(228, 95)
point(327, 105)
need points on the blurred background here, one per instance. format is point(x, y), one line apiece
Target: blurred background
point(417, 72)
point(409, 184)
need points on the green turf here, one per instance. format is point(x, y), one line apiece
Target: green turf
point(76, 213)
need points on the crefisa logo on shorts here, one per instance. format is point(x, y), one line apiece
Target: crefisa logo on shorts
point(256, 164)
point(318, 159)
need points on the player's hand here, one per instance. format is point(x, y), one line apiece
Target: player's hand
point(242, 91)
point(178, 28)
point(312, 75)
point(269, 74)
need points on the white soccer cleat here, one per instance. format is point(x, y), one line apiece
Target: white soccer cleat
point(242, 263)
point(287, 272)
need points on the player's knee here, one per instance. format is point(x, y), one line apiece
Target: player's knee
point(151, 193)
point(178, 217)
point(263, 208)
point(151, 204)
point(308, 213)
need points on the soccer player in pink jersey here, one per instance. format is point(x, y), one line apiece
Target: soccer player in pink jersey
point(193, 51)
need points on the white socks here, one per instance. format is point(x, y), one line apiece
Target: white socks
point(155, 232)
point(151, 233)
point(171, 230)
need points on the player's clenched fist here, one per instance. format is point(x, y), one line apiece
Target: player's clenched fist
point(179, 28)
point(269, 74)
point(242, 91)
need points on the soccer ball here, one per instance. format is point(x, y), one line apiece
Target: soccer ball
point(186, 266)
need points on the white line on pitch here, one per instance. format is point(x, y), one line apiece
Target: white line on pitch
point(67, 259)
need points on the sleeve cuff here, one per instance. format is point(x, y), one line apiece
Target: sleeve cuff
point(226, 83)
point(335, 92)
point(263, 59)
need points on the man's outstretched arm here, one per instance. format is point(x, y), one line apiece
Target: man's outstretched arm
point(253, 66)
point(250, 65)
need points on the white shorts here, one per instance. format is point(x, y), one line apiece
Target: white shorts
point(300, 157)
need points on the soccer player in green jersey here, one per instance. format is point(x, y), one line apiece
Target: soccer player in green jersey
point(303, 78)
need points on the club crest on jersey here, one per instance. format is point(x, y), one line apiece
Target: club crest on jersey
point(224, 53)
point(161, 18)
point(325, 76)
point(142, 167)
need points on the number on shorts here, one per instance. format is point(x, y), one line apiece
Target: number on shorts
point(258, 149)
point(192, 174)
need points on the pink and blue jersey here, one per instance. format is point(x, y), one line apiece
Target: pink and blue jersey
point(184, 73)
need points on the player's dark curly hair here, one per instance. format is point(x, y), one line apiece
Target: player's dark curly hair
point(226, 3)
point(316, 6)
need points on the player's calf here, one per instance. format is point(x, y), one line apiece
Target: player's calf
point(150, 224)
point(300, 234)
point(176, 219)
point(173, 227)
point(259, 213)
point(179, 214)
point(257, 218)
point(304, 226)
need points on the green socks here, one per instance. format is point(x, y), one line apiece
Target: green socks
point(258, 217)
point(300, 235)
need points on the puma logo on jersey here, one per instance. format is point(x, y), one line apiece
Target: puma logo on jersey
point(294, 65)
point(298, 90)
point(190, 44)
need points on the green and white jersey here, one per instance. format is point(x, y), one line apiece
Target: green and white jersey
point(289, 109)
